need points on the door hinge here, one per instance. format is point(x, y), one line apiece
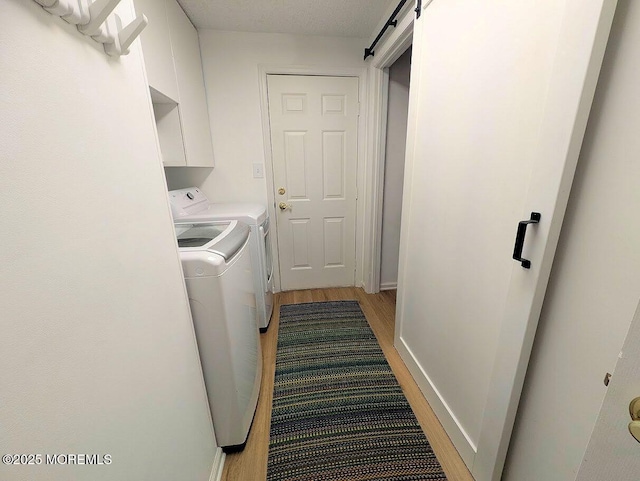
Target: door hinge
point(418, 8)
point(358, 109)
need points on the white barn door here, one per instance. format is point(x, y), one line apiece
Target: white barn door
point(499, 99)
point(314, 125)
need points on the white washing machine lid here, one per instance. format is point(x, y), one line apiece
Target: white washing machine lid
point(191, 205)
point(221, 238)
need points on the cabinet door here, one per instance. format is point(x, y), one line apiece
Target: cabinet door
point(194, 114)
point(156, 47)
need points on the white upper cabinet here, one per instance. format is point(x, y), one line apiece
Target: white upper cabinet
point(193, 100)
point(156, 46)
point(174, 70)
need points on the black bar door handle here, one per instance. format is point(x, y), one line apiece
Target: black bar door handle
point(522, 232)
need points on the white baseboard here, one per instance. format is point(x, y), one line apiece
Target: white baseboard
point(218, 464)
point(387, 286)
point(460, 439)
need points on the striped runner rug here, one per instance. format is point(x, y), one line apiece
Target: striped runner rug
point(338, 411)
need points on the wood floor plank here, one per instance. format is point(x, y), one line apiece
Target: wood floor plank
point(379, 309)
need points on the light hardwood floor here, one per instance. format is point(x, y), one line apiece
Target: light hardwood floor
point(379, 309)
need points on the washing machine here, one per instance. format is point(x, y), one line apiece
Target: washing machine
point(192, 205)
point(218, 275)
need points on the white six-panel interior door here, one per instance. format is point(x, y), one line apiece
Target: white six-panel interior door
point(313, 123)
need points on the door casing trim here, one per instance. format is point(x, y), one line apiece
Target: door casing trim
point(391, 48)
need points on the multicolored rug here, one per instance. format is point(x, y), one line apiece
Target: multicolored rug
point(338, 411)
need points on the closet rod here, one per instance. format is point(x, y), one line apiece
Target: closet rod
point(392, 22)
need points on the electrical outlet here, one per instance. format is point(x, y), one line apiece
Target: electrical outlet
point(258, 171)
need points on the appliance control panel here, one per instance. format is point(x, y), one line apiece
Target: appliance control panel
point(187, 201)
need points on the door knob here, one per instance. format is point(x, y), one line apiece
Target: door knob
point(281, 191)
point(634, 425)
point(284, 206)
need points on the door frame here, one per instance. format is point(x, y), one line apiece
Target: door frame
point(320, 71)
point(386, 54)
point(604, 453)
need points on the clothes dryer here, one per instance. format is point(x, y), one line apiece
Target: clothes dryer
point(192, 205)
point(218, 275)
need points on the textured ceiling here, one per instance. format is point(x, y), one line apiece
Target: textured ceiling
point(340, 18)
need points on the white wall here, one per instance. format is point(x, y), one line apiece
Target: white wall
point(97, 347)
point(594, 286)
point(230, 61)
point(399, 78)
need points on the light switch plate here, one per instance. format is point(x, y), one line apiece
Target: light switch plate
point(258, 171)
